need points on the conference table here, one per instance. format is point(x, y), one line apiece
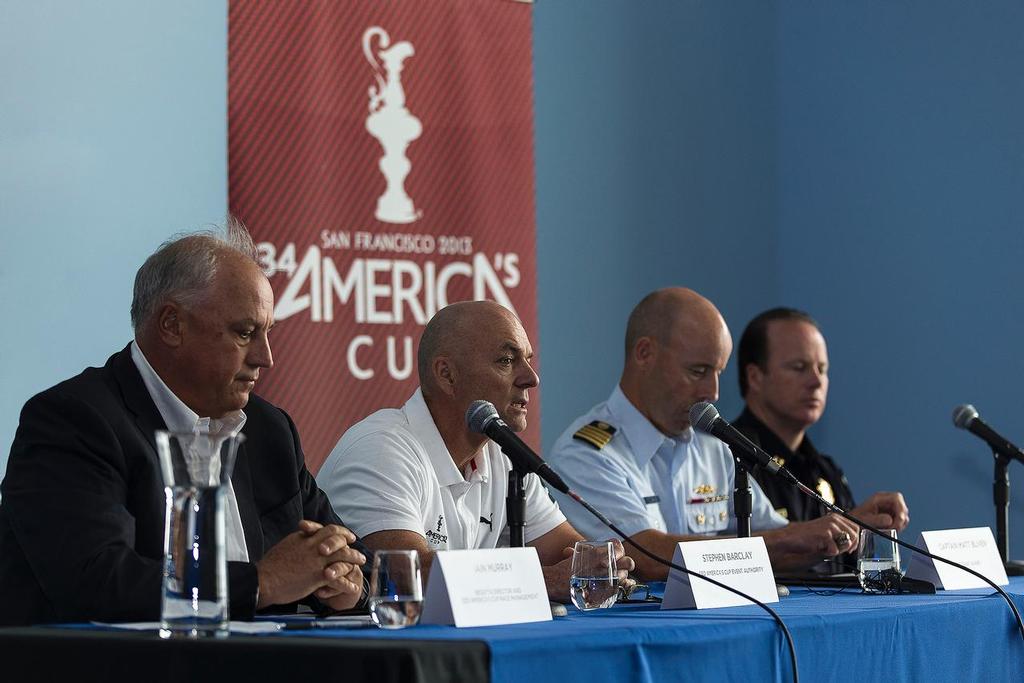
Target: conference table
point(964, 636)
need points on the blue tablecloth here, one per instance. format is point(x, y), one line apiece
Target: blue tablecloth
point(962, 636)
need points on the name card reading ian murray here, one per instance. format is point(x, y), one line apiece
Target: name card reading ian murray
point(486, 588)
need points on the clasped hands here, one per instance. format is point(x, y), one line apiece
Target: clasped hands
point(313, 560)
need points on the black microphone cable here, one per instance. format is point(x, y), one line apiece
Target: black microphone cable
point(604, 520)
point(708, 414)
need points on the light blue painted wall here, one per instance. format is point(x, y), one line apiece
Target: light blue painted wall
point(112, 137)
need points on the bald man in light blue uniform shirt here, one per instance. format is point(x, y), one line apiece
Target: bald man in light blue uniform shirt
point(636, 458)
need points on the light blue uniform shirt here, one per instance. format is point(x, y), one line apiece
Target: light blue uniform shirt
point(642, 479)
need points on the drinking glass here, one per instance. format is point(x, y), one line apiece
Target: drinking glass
point(594, 583)
point(396, 591)
point(878, 562)
point(196, 470)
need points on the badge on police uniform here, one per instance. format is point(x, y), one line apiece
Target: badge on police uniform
point(825, 491)
point(597, 434)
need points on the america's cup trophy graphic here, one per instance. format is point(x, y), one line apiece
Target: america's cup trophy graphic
point(391, 123)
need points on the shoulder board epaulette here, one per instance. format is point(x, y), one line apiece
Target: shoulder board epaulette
point(597, 434)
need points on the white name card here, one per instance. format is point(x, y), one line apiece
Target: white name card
point(486, 588)
point(974, 548)
point(740, 563)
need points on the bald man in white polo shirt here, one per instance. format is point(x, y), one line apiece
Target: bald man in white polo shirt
point(415, 477)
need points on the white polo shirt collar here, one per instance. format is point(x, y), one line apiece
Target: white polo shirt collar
point(422, 423)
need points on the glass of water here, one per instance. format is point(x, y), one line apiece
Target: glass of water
point(594, 583)
point(878, 562)
point(396, 591)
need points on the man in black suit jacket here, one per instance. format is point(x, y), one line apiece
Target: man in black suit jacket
point(82, 508)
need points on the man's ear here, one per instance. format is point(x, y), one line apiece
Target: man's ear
point(644, 351)
point(445, 374)
point(170, 324)
point(755, 377)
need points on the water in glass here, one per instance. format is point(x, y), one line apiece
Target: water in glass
point(396, 590)
point(594, 581)
point(399, 612)
point(878, 563)
point(196, 469)
point(589, 593)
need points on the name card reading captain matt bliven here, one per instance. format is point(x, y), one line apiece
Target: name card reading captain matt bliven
point(486, 588)
point(740, 563)
point(974, 548)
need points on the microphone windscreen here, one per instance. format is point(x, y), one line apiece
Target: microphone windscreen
point(479, 415)
point(964, 415)
point(703, 415)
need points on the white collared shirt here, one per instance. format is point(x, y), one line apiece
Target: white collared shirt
point(642, 479)
point(393, 471)
point(180, 418)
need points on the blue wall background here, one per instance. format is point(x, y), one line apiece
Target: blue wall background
point(112, 137)
point(864, 161)
point(901, 192)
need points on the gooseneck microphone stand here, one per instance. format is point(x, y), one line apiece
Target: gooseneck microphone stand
point(743, 500)
point(966, 417)
point(515, 507)
point(1001, 496)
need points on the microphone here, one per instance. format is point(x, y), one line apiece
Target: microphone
point(966, 417)
point(482, 418)
point(705, 418)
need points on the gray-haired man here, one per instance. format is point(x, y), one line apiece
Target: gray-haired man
point(81, 517)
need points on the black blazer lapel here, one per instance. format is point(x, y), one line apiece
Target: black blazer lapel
point(137, 400)
point(241, 480)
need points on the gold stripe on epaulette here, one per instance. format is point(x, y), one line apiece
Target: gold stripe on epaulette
point(597, 434)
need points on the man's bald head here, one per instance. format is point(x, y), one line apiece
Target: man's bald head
point(455, 329)
point(677, 344)
point(664, 311)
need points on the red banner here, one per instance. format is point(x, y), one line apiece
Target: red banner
point(381, 153)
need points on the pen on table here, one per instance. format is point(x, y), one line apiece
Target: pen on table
point(317, 624)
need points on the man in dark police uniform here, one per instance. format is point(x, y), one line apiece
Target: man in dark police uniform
point(82, 512)
point(783, 376)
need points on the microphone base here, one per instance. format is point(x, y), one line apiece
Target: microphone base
point(1014, 568)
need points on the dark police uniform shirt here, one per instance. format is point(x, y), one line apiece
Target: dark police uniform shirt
point(818, 471)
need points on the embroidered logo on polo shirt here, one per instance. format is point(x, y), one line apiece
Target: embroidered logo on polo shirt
point(597, 434)
point(436, 537)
